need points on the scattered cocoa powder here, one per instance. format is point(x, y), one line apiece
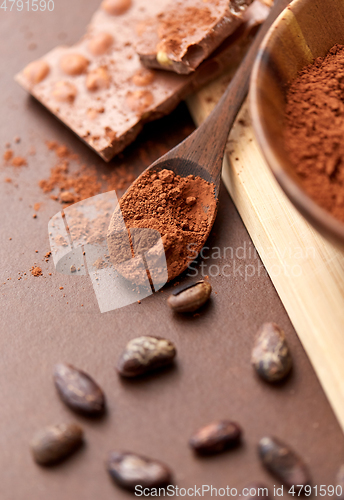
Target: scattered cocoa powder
point(119, 180)
point(74, 185)
point(19, 161)
point(86, 229)
point(80, 185)
point(71, 185)
point(36, 271)
point(100, 263)
point(314, 130)
point(52, 145)
point(60, 241)
point(159, 201)
point(67, 197)
point(8, 155)
point(62, 151)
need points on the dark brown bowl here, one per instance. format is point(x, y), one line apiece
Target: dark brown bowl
point(307, 29)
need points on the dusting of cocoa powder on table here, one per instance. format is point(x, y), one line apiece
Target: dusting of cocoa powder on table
point(70, 185)
point(8, 155)
point(36, 271)
point(179, 208)
point(314, 130)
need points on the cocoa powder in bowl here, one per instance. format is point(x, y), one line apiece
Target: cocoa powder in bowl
point(180, 209)
point(314, 130)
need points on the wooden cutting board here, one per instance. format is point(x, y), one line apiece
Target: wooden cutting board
point(307, 271)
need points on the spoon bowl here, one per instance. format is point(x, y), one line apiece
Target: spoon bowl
point(306, 30)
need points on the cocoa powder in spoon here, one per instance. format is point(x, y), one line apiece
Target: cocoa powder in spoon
point(181, 209)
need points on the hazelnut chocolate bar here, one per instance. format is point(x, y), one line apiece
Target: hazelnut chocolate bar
point(186, 32)
point(99, 88)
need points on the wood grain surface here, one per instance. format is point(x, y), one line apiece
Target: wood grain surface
point(42, 325)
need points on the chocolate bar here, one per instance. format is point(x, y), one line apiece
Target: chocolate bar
point(186, 32)
point(99, 88)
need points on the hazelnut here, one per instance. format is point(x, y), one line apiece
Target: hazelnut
point(36, 71)
point(73, 64)
point(64, 91)
point(98, 79)
point(100, 43)
point(163, 59)
point(143, 77)
point(116, 7)
point(139, 100)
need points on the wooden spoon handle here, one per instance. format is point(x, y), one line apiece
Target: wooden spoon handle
point(206, 145)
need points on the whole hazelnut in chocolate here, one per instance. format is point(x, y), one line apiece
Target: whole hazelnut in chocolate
point(116, 7)
point(98, 79)
point(93, 113)
point(36, 71)
point(139, 100)
point(143, 76)
point(64, 91)
point(73, 64)
point(100, 43)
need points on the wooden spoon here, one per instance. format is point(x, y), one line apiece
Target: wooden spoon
point(201, 154)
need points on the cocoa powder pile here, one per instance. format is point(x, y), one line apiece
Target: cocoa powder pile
point(314, 130)
point(181, 209)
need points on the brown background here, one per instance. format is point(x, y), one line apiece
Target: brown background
point(154, 416)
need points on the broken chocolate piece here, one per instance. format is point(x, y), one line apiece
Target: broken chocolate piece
point(186, 32)
point(135, 95)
